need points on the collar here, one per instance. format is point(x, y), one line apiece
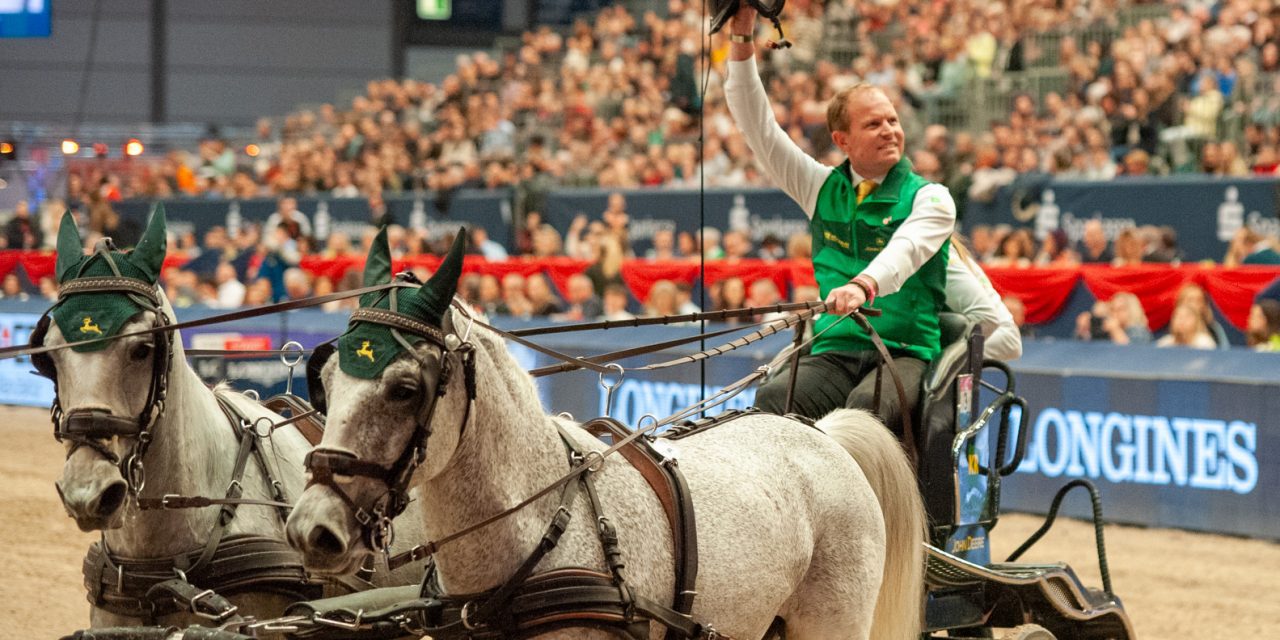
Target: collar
point(888, 186)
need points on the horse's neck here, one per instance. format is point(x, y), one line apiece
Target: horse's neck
point(191, 454)
point(508, 452)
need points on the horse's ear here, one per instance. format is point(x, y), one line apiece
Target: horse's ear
point(70, 247)
point(149, 254)
point(438, 292)
point(377, 267)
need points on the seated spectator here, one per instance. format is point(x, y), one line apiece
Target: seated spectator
point(546, 242)
point(297, 284)
point(1187, 329)
point(542, 301)
point(1093, 243)
point(1055, 251)
point(231, 292)
point(1263, 330)
point(1120, 320)
point(771, 249)
point(324, 286)
point(684, 298)
point(662, 300)
point(48, 288)
point(1137, 163)
point(259, 293)
point(487, 247)
point(11, 288)
point(581, 300)
point(1016, 250)
point(664, 245)
point(489, 297)
point(287, 216)
point(764, 293)
point(22, 231)
point(737, 245)
point(607, 268)
point(1250, 247)
point(615, 303)
point(1194, 296)
point(1129, 249)
point(730, 293)
point(514, 301)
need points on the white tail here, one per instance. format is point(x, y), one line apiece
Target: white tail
point(900, 605)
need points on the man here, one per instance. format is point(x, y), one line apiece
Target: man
point(880, 238)
point(287, 216)
point(22, 231)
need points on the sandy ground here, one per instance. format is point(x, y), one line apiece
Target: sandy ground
point(1175, 584)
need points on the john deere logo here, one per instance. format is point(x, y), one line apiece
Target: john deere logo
point(365, 351)
point(89, 326)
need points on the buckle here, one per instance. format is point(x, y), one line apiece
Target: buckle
point(318, 618)
point(215, 617)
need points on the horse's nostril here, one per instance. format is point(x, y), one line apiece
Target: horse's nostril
point(322, 539)
point(111, 500)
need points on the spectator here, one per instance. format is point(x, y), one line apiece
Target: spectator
point(11, 288)
point(230, 291)
point(607, 268)
point(1187, 329)
point(1263, 330)
point(287, 217)
point(1250, 247)
point(487, 247)
point(1120, 320)
point(1129, 248)
point(542, 301)
point(1193, 296)
point(615, 303)
point(664, 245)
point(514, 301)
point(662, 299)
point(1016, 250)
point(1056, 251)
point(737, 245)
point(582, 301)
point(297, 284)
point(22, 231)
point(1093, 243)
point(489, 296)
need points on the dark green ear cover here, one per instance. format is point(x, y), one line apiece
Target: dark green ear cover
point(149, 254)
point(377, 267)
point(70, 248)
point(438, 292)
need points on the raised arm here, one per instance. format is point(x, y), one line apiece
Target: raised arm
point(790, 168)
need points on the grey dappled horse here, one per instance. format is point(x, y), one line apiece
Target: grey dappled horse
point(821, 527)
point(192, 447)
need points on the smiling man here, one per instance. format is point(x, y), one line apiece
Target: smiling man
point(880, 235)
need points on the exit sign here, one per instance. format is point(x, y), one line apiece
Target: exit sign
point(435, 9)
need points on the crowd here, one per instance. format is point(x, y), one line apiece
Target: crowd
point(620, 103)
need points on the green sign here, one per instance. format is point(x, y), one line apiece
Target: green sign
point(435, 9)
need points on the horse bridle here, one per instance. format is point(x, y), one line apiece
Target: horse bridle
point(324, 465)
point(94, 428)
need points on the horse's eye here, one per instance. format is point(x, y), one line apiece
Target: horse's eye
point(403, 392)
point(140, 351)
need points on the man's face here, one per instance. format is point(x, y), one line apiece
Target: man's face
point(874, 141)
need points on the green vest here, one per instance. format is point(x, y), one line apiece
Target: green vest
point(847, 236)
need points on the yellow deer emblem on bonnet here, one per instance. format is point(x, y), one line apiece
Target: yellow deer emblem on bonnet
point(365, 351)
point(89, 326)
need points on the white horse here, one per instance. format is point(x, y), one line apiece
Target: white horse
point(192, 451)
point(820, 527)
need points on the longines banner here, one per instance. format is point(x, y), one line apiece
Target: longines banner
point(1197, 455)
point(1204, 211)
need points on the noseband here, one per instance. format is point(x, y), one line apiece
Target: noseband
point(94, 428)
point(325, 466)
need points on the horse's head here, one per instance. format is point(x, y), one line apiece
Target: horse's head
point(396, 389)
point(107, 393)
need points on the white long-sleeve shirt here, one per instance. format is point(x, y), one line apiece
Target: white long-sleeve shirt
point(969, 292)
point(933, 212)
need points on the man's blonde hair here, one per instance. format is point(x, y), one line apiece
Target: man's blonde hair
point(838, 109)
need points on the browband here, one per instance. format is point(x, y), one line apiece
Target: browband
point(399, 321)
point(108, 284)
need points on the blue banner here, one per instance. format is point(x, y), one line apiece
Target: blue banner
point(761, 212)
point(438, 214)
point(1204, 211)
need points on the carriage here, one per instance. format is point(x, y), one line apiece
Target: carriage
point(964, 454)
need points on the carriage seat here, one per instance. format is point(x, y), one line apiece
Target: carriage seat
point(935, 413)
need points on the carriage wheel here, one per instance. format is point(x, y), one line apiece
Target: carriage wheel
point(1029, 632)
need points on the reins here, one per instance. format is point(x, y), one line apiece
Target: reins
point(594, 460)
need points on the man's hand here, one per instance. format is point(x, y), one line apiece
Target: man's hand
point(846, 298)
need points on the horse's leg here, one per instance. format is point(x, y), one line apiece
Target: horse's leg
point(837, 597)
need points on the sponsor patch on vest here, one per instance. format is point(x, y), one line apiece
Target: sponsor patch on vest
point(834, 239)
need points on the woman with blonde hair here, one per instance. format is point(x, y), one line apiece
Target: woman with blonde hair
point(1126, 321)
point(1187, 329)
